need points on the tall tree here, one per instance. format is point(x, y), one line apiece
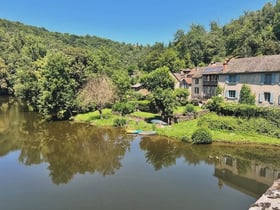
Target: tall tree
point(164, 100)
point(246, 97)
point(57, 88)
point(160, 78)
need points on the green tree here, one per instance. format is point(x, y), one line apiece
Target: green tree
point(181, 96)
point(57, 89)
point(164, 101)
point(170, 59)
point(160, 78)
point(121, 80)
point(246, 97)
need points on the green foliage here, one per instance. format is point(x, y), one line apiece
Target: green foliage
point(195, 102)
point(57, 89)
point(121, 80)
point(144, 105)
point(160, 78)
point(234, 124)
point(213, 103)
point(201, 136)
point(189, 108)
point(218, 91)
point(124, 107)
point(164, 101)
point(246, 97)
point(181, 96)
point(119, 122)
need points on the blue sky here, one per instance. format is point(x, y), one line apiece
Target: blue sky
point(130, 21)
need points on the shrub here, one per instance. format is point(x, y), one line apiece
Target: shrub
point(189, 108)
point(119, 122)
point(124, 108)
point(144, 106)
point(195, 102)
point(202, 136)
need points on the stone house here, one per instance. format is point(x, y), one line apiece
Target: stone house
point(261, 74)
point(183, 79)
point(205, 81)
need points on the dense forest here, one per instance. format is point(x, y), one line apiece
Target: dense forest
point(49, 70)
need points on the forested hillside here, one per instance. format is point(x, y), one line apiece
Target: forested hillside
point(36, 64)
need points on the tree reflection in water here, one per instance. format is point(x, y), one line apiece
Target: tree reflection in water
point(68, 148)
point(75, 148)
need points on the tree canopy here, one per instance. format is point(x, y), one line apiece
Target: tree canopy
point(49, 69)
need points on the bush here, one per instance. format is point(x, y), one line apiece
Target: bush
point(202, 136)
point(124, 108)
point(119, 122)
point(195, 102)
point(189, 108)
point(144, 106)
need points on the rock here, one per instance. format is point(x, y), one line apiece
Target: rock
point(270, 200)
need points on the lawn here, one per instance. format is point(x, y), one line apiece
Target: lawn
point(179, 110)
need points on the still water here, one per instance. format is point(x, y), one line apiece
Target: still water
point(62, 165)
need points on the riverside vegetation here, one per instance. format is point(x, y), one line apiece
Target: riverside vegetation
point(257, 128)
point(62, 75)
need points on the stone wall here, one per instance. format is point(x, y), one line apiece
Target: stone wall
point(270, 200)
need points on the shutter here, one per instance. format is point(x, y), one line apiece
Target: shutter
point(271, 98)
point(236, 94)
point(260, 97)
point(279, 100)
point(262, 79)
point(273, 79)
point(227, 94)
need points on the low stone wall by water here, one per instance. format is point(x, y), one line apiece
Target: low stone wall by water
point(270, 200)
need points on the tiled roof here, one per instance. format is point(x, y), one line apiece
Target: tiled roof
point(269, 63)
point(211, 69)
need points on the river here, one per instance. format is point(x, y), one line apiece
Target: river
point(65, 165)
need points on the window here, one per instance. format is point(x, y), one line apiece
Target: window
point(196, 81)
point(232, 78)
point(267, 96)
point(196, 90)
point(232, 94)
point(267, 79)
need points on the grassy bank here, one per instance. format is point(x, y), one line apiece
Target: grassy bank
point(176, 131)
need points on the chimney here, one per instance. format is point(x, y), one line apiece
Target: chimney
point(225, 65)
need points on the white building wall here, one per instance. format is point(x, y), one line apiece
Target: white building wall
point(253, 80)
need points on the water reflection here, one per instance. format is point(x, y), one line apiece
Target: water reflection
point(249, 169)
point(68, 148)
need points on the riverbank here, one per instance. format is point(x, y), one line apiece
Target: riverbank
point(270, 200)
point(179, 131)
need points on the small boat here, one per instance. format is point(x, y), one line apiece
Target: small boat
point(147, 133)
point(156, 121)
point(128, 131)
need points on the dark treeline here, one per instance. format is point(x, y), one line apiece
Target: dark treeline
point(49, 69)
